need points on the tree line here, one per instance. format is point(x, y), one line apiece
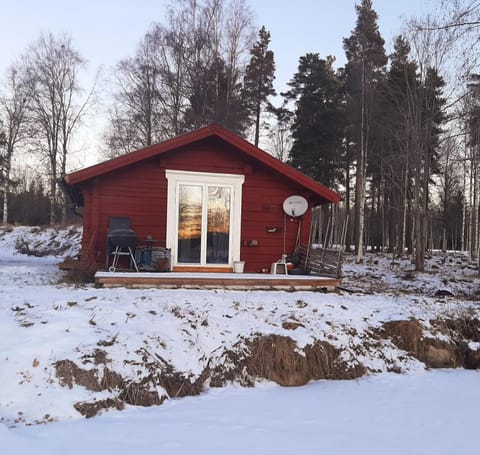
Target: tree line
point(393, 133)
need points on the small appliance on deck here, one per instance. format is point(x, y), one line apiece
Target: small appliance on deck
point(121, 240)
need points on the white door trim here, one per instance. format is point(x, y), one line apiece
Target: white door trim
point(235, 181)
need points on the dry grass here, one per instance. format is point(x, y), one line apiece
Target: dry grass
point(278, 359)
point(89, 410)
point(435, 353)
point(272, 357)
point(138, 395)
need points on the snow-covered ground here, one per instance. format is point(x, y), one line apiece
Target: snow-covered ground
point(44, 320)
point(434, 413)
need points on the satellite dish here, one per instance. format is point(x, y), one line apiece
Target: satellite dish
point(295, 205)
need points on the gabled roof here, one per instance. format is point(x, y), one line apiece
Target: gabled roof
point(249, 149)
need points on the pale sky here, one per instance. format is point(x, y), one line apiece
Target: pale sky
point(105, 31)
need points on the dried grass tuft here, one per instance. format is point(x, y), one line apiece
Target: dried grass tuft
point(408, 336)
point(91, 409)
point(278, 359)
point(136, 394)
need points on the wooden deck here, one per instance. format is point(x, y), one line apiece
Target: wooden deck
point(238, 281)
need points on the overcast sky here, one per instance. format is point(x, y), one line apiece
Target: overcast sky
point(104, 31)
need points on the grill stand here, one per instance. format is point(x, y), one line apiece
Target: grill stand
point(116, 257)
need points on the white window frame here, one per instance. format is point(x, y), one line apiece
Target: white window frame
point(234, 181)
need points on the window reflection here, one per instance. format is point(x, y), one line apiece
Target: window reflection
point(190, 223)
point(213, 233)
point(218, 224)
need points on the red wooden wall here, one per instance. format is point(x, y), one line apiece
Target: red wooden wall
point(140, 192)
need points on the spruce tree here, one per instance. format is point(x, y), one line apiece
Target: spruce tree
point(258, 81)
point(318, 124)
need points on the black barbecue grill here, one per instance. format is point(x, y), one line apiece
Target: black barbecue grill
point(121, 240)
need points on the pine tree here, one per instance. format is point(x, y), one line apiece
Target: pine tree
point(259, 76)
point(364, 70)
point(318, 120)
point(213, 100)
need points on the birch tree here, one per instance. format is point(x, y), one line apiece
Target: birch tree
point(52, 69)
point(14, 103)
point(426, 114)
point(186, 73)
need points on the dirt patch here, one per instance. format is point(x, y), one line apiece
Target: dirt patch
point(291, 325)
point(52, 246)
point(69, 374)
point(140, 393)
point(91, 409)
point(111, 380)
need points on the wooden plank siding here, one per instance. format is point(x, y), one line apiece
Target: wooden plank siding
point(140, 192)
point(263, 196)
point(138, 189)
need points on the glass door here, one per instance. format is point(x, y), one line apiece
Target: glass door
point(204, 217)
point(190, 198)
point(218, 225)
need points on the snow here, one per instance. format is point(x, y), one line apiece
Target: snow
point(426, 413)
point(44, 319)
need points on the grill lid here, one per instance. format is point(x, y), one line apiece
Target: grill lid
point(122, 237)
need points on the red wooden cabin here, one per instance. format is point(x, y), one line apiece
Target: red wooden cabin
point(209, 196)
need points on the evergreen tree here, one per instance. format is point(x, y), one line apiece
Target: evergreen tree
point(364, 70)
point(318, 124)
point(259, 76)
point(213, 100)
